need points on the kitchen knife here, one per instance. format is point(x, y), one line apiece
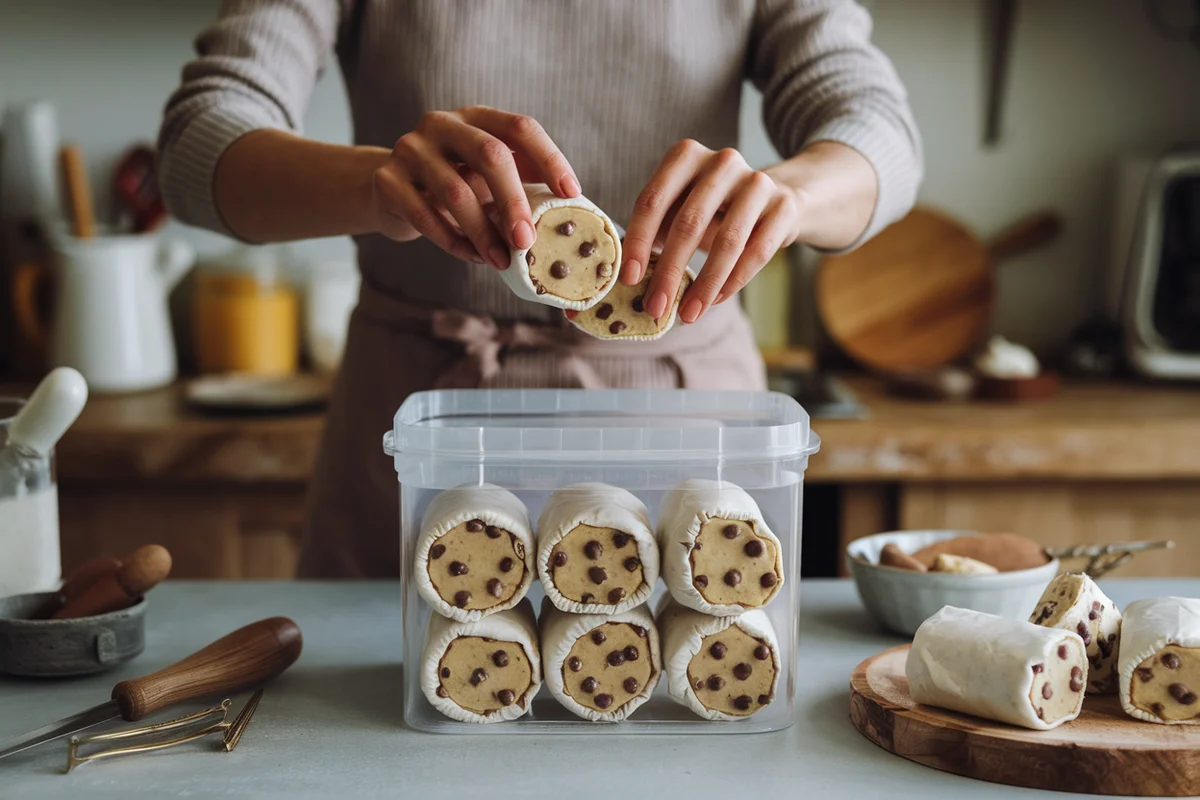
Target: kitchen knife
point(247, 657)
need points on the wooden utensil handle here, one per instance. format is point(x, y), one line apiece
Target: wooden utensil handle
point(79, 192)
point(1025, 234)
point(246, 657)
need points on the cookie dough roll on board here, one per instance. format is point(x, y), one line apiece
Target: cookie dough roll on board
point(596, 551)
point(1159, 665)
point(1001, 669)
point(601, 667)
point(484, 671)
point(722, 668)
point(622, 314)
point(575, 257)
point(718, 555)
point(475, 553)
point(1073, 602)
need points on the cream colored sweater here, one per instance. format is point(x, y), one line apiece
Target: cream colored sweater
point(614, 82)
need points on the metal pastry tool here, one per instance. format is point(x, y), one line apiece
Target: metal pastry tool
point(1104, 558)
point(247, 657)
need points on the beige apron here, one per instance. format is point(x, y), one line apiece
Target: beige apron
point(395, 348)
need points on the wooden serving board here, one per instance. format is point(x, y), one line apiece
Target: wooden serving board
point(1102, 752)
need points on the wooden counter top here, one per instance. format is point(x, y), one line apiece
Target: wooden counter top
point(1090, 431)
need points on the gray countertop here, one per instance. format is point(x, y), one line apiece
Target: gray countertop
point(333, 724)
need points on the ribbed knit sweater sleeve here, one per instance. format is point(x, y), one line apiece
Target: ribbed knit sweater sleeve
point(823, 80)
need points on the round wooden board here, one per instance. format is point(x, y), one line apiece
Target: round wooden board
point(1102, 752)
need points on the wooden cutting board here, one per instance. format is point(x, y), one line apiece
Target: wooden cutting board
point(1102, 752)
point(920, 294)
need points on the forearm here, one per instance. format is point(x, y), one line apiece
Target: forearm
point(836, 190)
point(273, 186)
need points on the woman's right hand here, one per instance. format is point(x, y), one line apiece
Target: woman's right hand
point(457, 179)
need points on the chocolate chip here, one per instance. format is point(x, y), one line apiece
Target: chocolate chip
point(1182, 694)
point(597, 575)
point(632, 563)
point(698, 685)
point(588, 685)
point(598, 637)
point(632, 686)
point(462, 598)
point(495, 588)
point(753, 548)
point(1158, 709)
point(559, 270)
point(616, 595)
point(441, 692)
point(631, 653)
point(458, 568)
point(478, 676)
point(1170, 661)
point(1105, 645)
point(1041, 712)
point(715, 683)
point(701, 581)
point(493, 532)
point(763, 699)
point(559, 559)
point(1062, 651)
point(604, 270)
point(529, 258)
point(762, 652)
point(1145, 673)
point(742, 702)
point(637, 304)
point(616, 327)
point(1076, 673)
point(437, 551)
point(718, 650)
point(586, 598)
point(506, 565)
point(733, 578)
point(475, 525)
point(1076, 685)
point(639, 630)
point(1084, 633)
point(1038, 668)
point(586, 249)
point(506, 697)
point(604, 311)
point(593, 549)
point(620, 538)
point(1076, 679)
point(768, 580)
point(540, 289)
point(574, 664)
point(445, 673)
point(1045, 613)
point(730, 531)
point(1047, 692)
point(566, 228)
point(500, 658)
point(1097, 610)
point(616, 658)
point(603, 700)
point(742, 671)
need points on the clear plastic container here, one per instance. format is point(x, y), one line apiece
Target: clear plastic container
point(533, 442)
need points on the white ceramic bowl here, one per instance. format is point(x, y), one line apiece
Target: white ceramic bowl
point(903, 599)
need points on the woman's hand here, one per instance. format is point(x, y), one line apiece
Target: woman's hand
point(701, 199)
point(457, 179)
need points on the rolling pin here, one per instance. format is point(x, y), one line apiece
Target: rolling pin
point(140, 572)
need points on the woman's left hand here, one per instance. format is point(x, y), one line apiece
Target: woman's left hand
point(713, 201)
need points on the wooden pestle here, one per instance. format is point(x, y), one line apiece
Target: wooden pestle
point(77, 583)
point(141, 571)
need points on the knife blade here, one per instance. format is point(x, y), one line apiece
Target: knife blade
point(249, 656)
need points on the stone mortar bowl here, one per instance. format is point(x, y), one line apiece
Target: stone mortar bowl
point(52, 648)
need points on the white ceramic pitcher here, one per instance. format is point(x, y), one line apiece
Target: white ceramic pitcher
point(110, 318)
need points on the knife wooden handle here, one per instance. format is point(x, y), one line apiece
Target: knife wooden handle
point(247, 657)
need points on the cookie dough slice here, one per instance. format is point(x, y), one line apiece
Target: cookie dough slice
point(600, 667)
point(718, 555)
point(1158, 670)
point(596, 551)
point(621, 315)
point(722, 668)
point(1073, 602)
point(474, 555)
point(1002, 669)
point(575, 257)
point(484, 671)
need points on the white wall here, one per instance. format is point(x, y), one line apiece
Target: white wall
point(1089, 79)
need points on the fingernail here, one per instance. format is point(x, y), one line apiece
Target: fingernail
point(657, 305)
point(631, 273)
point(522, 235)
point(691, 310)
point(499, 256)
point(570, 186)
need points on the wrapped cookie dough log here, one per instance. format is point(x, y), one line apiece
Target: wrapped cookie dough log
point(718, 555)
point(722, 668)
point(1002, 669)
point(575, 257)
point(1073, 602)
point(475, 552)
point(483, 671)
point(596, 550)
point(1159, 664)
point(621, 314)
point(601, 667)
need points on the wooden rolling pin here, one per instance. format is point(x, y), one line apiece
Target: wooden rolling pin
point(140, 572)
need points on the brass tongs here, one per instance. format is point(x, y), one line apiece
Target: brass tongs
point(197, 725)
point(1104, 558)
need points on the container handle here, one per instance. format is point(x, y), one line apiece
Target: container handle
point(389, 443)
